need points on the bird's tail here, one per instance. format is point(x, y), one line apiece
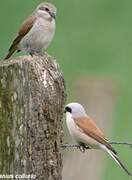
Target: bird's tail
point(10, 54)
point(114, 156)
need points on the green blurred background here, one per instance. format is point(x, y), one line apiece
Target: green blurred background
point(93, 38)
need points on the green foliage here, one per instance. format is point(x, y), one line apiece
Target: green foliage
point(92, 37)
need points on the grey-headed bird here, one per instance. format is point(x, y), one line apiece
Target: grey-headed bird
point(36, 32)
point(86, 133)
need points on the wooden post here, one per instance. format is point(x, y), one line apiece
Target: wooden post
point(32, 96)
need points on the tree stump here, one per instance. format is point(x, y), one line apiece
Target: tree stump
point(32, 96)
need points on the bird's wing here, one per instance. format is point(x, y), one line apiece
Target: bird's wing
point(89, 128)
point(25, 28)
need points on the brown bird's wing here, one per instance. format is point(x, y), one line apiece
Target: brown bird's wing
point(25, 28)
point(89, 128)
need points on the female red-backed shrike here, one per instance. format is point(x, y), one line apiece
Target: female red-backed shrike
point(85, 132)
point(36, 32)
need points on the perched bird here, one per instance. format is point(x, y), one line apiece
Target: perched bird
point(36, 32)
point(86, 133)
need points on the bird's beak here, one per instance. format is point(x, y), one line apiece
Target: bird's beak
point(53, 15)
point(64, 111)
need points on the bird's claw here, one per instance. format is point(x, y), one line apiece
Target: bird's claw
point(83, 147)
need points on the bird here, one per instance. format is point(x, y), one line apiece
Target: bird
point(87, 134)
point(37, 31)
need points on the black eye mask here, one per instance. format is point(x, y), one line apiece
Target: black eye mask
point(68, 109)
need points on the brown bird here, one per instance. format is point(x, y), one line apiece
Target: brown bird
point(36, 32)
point(86, 133)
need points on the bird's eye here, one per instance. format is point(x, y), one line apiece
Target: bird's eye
point(68, 109)
point(46, 9)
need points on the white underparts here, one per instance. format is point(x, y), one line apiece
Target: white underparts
point(39, 37)
point(78, 135)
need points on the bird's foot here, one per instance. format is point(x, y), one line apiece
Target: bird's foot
point(83, 147)
point(36, 53)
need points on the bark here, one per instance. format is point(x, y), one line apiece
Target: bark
point(32, 95)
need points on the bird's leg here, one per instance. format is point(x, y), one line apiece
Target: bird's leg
point(40, 53)
point(36, 53)
point(82, 147)
point(32, 53)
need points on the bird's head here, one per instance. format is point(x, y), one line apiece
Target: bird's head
point(75, 109)
point(46, 10)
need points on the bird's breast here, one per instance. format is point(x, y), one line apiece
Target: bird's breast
point(40, 34)
point(78, 134)
point(44, 31)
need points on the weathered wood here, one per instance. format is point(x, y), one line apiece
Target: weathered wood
point(32, 95)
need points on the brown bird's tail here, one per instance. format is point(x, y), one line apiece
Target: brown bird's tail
point(10, 53)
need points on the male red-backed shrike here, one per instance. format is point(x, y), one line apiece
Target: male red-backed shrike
point(85, 132)
point(36, 32)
